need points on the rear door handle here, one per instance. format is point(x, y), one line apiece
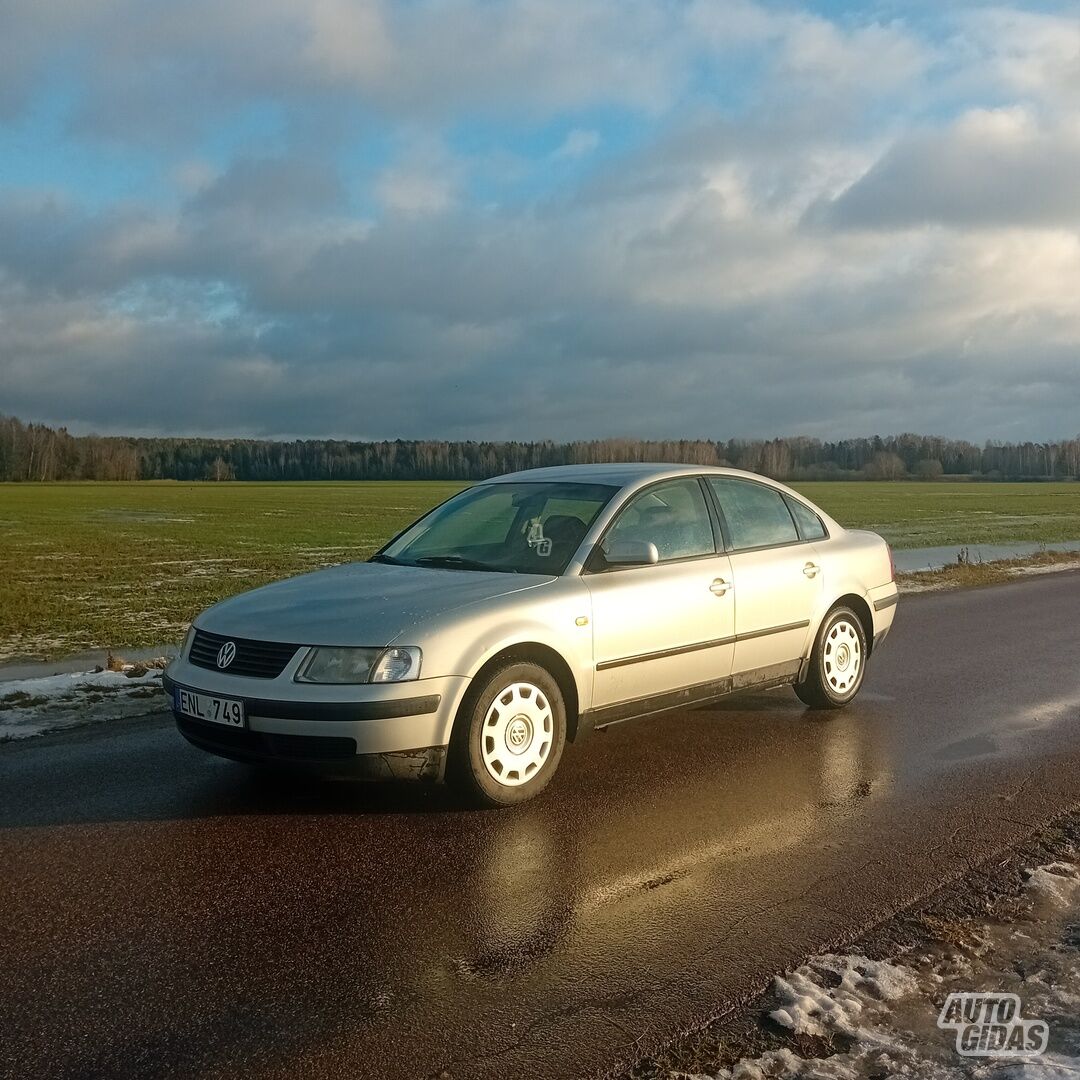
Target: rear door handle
point(719, 587)
point(811, 569)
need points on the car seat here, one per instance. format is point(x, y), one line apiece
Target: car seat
point(565, 533)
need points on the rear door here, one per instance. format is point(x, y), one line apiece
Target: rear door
point(776, 574)
point(669, 625)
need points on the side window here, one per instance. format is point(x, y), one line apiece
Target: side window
point(756, 515)
point(672, 515)
point(810, 525)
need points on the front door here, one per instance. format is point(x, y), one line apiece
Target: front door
point(671, 624)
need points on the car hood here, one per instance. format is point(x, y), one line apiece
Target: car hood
point(355, 604)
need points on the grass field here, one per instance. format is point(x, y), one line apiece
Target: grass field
point(913, 515)
point(98, 565)
point(107, 565)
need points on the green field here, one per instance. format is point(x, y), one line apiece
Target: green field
point(97, 565)
point(912, 515)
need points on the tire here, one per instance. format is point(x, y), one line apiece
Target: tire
point(838, 662)
point(508, 737)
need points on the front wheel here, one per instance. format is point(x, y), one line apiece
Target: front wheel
point(837, 664)
point(509, 736)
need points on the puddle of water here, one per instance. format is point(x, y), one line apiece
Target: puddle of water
point(912, 560)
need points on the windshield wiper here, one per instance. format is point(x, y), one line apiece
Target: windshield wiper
point(388, 559)
point(452, 562)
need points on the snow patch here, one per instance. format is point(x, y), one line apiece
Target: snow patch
point(1055, 883)
point(829, 994)
point(38, 706)
point(878, 1020)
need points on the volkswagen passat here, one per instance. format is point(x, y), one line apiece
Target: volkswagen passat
point(527, 611)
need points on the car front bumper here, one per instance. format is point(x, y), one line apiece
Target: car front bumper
point(385, 731)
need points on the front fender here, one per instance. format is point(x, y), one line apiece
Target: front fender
point(575, 649)
point(465, 640)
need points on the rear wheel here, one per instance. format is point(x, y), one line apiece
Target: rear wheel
point(838, 662)
point(509, 736)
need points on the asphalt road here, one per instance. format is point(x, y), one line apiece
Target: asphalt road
point(165, 913)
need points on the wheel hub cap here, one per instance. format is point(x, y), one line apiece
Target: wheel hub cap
point(518, 734)
point(518, 731)
point(842, 657)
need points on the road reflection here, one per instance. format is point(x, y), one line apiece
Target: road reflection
point(775, 787)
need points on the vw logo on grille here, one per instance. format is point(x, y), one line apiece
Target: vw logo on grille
point(226, 654)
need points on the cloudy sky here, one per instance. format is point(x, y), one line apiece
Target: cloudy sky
point(540, 218)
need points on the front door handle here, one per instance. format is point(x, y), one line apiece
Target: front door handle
point(811, 569)
point(719, 587)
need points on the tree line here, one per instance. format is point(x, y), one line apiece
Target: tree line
point(37, 452)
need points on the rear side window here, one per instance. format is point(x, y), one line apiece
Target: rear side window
point(810, 525)
point(672, 515)
point(756, 515)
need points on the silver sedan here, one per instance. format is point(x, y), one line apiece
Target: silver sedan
point(530, 609)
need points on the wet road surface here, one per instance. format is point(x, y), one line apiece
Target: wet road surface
point(165, 913)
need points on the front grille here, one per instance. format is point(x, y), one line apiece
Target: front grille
point(267, 744)
point(257, 659)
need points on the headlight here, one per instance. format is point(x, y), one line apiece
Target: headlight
point(189, 637)
point(338, 666)
point(360, 665)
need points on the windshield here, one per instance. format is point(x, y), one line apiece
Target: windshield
point(526, 528)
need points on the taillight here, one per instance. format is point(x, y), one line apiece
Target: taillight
point(892, 564)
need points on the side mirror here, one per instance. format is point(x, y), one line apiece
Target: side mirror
point(631, 553)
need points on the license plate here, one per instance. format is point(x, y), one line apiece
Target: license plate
point(214, 710)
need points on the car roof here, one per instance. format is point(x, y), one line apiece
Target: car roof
point(634, 474)
point(617, 474)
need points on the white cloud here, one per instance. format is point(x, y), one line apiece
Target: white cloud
point(413, 191)
point(424, 179)
point(812, 54)
point(349, 40)
point(990, 167)
point(1028, 53)
point(870, 58)
point(579, 142)
point(192, 175)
